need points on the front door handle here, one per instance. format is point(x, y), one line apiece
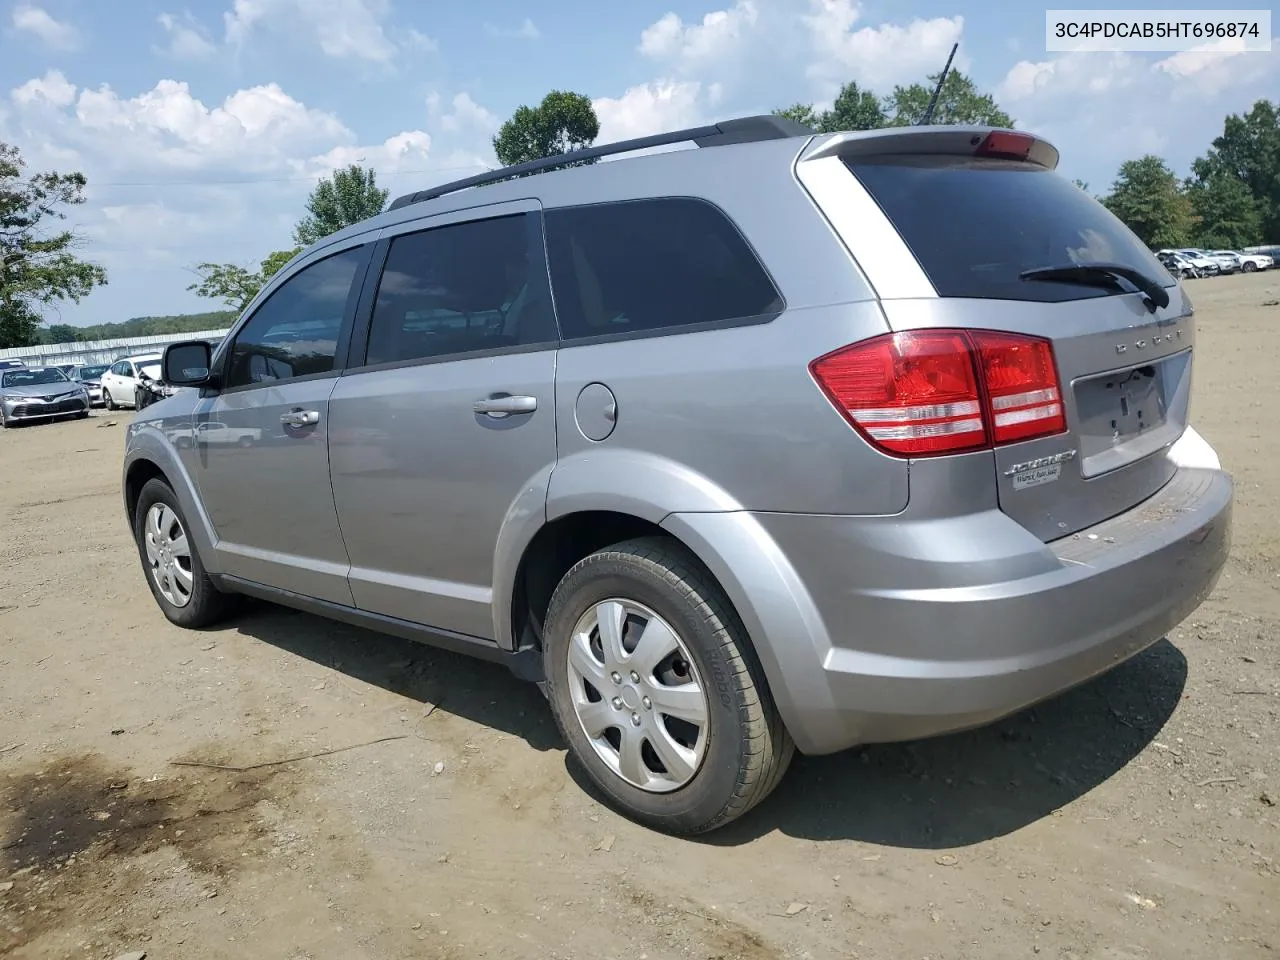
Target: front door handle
point(504, 406)
point(300, 418)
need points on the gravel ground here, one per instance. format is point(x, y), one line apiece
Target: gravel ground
point(1134, 817)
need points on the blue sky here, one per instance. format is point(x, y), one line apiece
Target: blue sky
point(202, 124)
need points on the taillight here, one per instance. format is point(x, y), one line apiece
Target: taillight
point(1022, 386)
point(928, 392)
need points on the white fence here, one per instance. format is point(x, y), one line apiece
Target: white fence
point(103, 351)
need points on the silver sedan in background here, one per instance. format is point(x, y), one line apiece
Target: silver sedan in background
point(40, 393)
point(90, 375)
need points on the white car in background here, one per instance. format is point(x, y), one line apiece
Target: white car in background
point(1227, 261)
point(1249, 262)
point(120, 379)
point(1207, 266)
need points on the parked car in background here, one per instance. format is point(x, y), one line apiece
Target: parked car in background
point(39, 393)
point(1227, 261)
point(120, 380)
point(12, 365)
point(824, 440)
point(1250, 262)
point(1178, 265)
point(91, 376)
point(1207, 266)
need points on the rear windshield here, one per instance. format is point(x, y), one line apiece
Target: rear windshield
point(976, 225)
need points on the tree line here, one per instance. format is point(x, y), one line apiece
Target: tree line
point(1231, 199)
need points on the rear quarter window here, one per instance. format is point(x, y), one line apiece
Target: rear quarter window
point(976, 225)
point(653, 266)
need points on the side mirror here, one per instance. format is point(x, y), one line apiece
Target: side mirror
point(187, 364)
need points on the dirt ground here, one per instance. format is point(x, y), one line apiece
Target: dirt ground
point(1134, 817)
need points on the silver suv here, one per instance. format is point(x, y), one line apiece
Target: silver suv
point(787, 441)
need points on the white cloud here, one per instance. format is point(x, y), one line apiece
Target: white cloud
point(35, 20)
point(1172, 106)
point(175, 181)
point(465, 115)
point(186, 40)
point(878, 57)
point(1218, 67)
point(168, 128)
point(650, 108)
point(811, 51)
point(416, 39)
point(528, 30)
point(406, 150)
point(692, 45)
point(52, 89)
point(341, 28)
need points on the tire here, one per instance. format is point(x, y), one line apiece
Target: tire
point(742, 749)
point(1249, 266)
point(205, 605)
point(82, 415)
point(107, 401)
point(4, 422)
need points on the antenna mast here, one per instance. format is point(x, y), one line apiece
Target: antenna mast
point(933, 101)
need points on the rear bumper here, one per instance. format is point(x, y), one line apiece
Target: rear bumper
point(894, 629)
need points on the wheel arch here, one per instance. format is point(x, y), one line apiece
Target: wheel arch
point(149, 458)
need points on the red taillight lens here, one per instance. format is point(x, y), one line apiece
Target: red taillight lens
point(913, 393)
point(1022, 386)
point(1009, 146)
point(927, 392)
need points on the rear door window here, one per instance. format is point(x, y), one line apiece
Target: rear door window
point(462, 288)
point(976, 225)
point(640, 266)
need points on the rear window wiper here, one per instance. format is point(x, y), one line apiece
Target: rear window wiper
point(1101, 273)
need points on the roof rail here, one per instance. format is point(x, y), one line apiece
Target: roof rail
point(739, 130)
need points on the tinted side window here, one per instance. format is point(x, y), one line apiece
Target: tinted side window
point(295, 332)
point(479, 285)
point(652, 264)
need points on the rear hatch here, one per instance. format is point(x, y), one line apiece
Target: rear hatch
point(977, 225)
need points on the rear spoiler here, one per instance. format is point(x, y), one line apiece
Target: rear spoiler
point(936, 141)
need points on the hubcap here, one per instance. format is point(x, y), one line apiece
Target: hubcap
point(168, 554)
point(637, 695)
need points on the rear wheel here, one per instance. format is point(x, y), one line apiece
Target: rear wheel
point(657, 691)
point(174, 572)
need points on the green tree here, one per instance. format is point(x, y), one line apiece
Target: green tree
point(799, 112)
point(562, 122)
point(959, 102)
point(349, 196)
point(1228, 216)
point(853, 109)
point(1148, 198)
point(63, 333)
point(148, 326)
point(37, 265)
point(1249, 151)
point(236, 285)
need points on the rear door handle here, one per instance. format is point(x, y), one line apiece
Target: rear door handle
point(504, 406)
point(300, 418)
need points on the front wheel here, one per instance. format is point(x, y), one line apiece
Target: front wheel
point(657, 691)
point(1249, 266)
point(174, 572)
point(107, 401)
